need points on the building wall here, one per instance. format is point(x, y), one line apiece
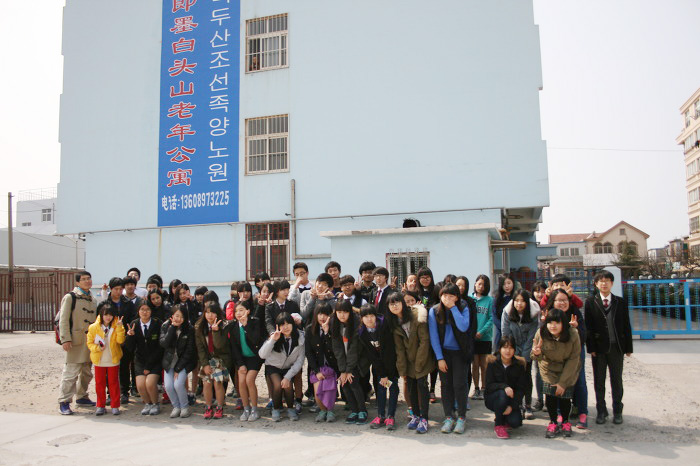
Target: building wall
point(689, 137)
point(30, 249)
point(615, 238)
point(383, 119)
point(31, 212)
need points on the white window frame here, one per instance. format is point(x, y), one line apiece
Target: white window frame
point(258, 138)
point(564, 252)
point(46, 215)
point(266, 31)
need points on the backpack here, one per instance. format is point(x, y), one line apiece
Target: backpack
point(57, 319)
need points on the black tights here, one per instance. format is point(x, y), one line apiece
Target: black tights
point(277, 392)
point(554, 404)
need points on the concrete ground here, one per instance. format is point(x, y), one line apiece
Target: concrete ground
point(661, 424)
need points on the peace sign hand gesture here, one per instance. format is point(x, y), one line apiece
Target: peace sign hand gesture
point(215, 325)
point(130, 332)
point(276, 334)
point(574, 321)
point(119, 320)
point(536, 347)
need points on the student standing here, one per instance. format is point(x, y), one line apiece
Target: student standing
point(366, 283)
point(179, 358)
point(448, 322)
point(143, 339)
point(484, 334)
point(503, 297)
point(322, 364)
point(104, 339)
point(247, 335)
point(557, 349)
point(301, 282)
point(414, 357)
point(520, 320)
point(609, 340)
point(214, 354)
point(380, 294)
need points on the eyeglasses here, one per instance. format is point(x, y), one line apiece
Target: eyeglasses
point(561, 300)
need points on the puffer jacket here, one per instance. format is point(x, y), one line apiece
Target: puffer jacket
point(182, 345)
point(559, 362)
point(522, 332)
point(414, 356)
point(115, 341)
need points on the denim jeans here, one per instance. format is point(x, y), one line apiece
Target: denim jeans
point(381, 397)
point(580, 389)
point(497, 402)
point(176, 388)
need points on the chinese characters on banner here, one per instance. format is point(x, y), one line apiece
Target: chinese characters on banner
point(199, 90)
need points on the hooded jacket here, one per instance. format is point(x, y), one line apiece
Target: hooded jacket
point(513, 376)
point(559, 362)
point(522, 332)
point(182, 345)
point(115, 342)
point(414, 356)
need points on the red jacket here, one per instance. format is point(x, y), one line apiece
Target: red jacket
point(575, 300)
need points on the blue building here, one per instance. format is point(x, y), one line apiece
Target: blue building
point(401, 132)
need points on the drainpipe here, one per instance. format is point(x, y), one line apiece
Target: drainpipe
point(293, 230)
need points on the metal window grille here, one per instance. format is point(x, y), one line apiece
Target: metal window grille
point(267, 245)
point(403, 263)
point(267, 144)
point(266, 43)
point(45, 215)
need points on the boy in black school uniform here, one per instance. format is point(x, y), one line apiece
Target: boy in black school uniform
point(333, 269)
point(381, 293)
point(366, 284)
point(609, 339)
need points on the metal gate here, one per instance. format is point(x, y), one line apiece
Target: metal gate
point(29, 299)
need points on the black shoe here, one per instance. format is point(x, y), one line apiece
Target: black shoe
point(124, 399)
point(617, 418)
point(601, 418)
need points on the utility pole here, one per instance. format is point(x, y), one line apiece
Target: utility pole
point(10, 253)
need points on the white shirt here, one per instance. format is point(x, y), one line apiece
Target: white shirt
point(608, 297)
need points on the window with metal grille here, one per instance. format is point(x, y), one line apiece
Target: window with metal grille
point(402, 264)
point(266, 43)
point(267, 144)
point(45, 215)
point(564, 252)
point(267, 246)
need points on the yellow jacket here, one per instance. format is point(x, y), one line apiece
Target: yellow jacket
point(115, 342)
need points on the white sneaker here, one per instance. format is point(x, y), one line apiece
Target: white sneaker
point(175, 413)
point(147, 409)
point(254, 415)
point(155, 409)
point(245, 415)
point(185, 412)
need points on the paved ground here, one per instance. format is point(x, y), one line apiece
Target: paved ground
point(661, 424)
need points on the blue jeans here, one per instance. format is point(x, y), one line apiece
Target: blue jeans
point(176, 388)
point(580, 389)
point(497, 402)
point(381, 397)
point(496, 336)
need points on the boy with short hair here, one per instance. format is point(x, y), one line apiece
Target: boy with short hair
point(333, 269)
point(301, 284)
point(349, 293)
point(135, 273)
point(130, 291)
point(609, 339)
point(366, 284)
point(380, 294)
point(321, 292)
point(561, 281)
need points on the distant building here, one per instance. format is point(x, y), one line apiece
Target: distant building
point(579, 251)
point(36, 211)
point(690, 140)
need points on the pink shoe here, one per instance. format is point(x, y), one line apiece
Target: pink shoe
point(566, 429)
point(559, 419)
point(551, 430)
point(501, 432)
point(582, 422)
point(376, 423)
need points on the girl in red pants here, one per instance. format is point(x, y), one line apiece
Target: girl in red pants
point(104, 339)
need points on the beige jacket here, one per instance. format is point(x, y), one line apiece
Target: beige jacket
point(84, 314)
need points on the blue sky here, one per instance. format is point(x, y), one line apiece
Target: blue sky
point(615, 73)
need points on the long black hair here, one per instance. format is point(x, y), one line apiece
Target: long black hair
point(513, 315)
point(501, 295)
point(487, 284)
point(286, 318)
point(183, 312)
point(202, 324)
point(431, 292)
point(405, 316)
point(321, 308)
point(106, 307)
point(337, 325)
point(553, 296)
point(556, 315)
point(440, 310)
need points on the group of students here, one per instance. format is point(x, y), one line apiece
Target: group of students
point(358, 337)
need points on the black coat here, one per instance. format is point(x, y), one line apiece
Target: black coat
point(382, 306)
point(182, 345)
point(513, 376)
point(350, 360)
point(382, 359)
point(125, 308)
point(273, 309)
point(318, 349)
point(255, 336)
point(146, 348)
point(598, 339)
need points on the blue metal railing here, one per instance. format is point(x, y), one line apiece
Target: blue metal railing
point(663, 307)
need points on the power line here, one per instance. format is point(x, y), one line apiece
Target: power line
point(616, 150)
point(45, 241)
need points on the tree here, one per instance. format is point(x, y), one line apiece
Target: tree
point(628, 261)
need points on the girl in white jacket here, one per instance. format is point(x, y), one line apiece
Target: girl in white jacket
point(284, 354)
